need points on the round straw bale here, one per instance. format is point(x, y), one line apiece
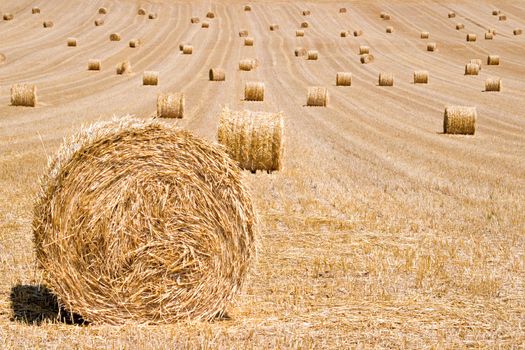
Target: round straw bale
point(492, 30)
point(274, 27)
point(421, 77)
point(386, 79)
point(489, 36)
point(150, 78)
point(343, 34)
point(304, 25)
point(47, 24)
point(254, 91)
point(367, 58)
point(102, 10)
point(317, 96)
point(299, 32)
point(496, 12)
point(248, 41)
point(493, 84)
point(141, 222)
point(217, 74)
point(170, 105)
point(477, 61)
point(243, 33)
point(71, 42)
point(389, 29)
point(312, 55)
point(471, 69)
point(364, 50)
point(247, 64)
point(114, 37)
point(210, 14)
point(181, 46)
point(135, 43)
point(451, 14)
point(141, 12)
point(358, 32)
point(460, 120)
point(152, 15)
point(35, 10)
point(425, 35)
point(517, 31)
point(187, 49)
point(306, 12)
point(502, 17)
point(195, 20)
point(94, 64)
point(342, 10)
point(343, 79)
point(123, 67)
point(493, 60)
point(247, 8)
point(23, 95)
point(471, 37)
point(205, 25)
point(386, 17)
point(460, 26)
point(8, 16)
point(431, 47)
point(99, 22)
point(299, 51)
point(253, 139)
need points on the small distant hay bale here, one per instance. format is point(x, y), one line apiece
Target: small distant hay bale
point(343, 34)
point(304, 25)
point(502, 17)
point(517, 31)
point(492, 30)
point(471, 37)
point(102, 10)
point(195, 20)
point(386, 79)
point(187, 50)
point(425, 35)
point(343, 79)
point(205, 25)
point(253, 139)
point(23, 95)
point(35, 10)
point(94, 64)
point(142, 222)
point(299, 32)
point(364, 50)
point(389, 29)
point(489, 36)
point(243, 33)
point(431, 47)
point(141, 12)
point(460, 120)
point(170, 105)
point(367, 58)
point(254, 91)
point(274, 27)
point(358, 32)
point(451, 14)
point(300, 51)
point(153, 15)
point(217, 74)
point(248, 41)
point(71, 42)
point(342, 10)
point(460, 26)
point(317, 97)
point(477, 61)
point(99, 22)
point(493, 84)
point(421, 77)
point(8, 16)
point(123, 67)
point(247, 8)
point(150, 78)
point(496, 12)
point(135, 43)
point(312, 55)
point(210, 15)
point(386, 17)
point(181, 46)
point(472, 69)
point(248, 64)
point(114, 37)
point(48, 24)
point(493, 60)
point(306, 13)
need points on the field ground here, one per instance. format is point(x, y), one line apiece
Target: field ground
point(379, 232)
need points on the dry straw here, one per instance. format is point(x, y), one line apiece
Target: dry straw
point(300, 51)
point(94, 64)
point(342, 10)
point(421, 77)
point(8, 16)
point(48, 24)
point(205, 25)
point(243, 33)
point(502, 18)
point(248, 64)
point(114, 37)
point(358, 32)
point(493, 84)
point(247, 8)
point(306, 12)
point(274, 27)
point(343, 34)
point(431, 47)
point(217, 74)
point(425, 35)
point(72, 42)
point(123, 67)
point(517, 31)
point(312, 55)
point(210, 14)
point(150, 78)
point(389, 29)
point(248, 41)
point(460, 26)
point(253, 139)
point(181, 46)
point(170, 105)
point(493, 60)
point(35, 10)
point(317, 96)
point(472, 69)
point(23, 95)
point(343, 79)
point(99, 22)
point(195, 20)
point(367, 58)
point(477, 61)
point(152, 15)
point(386, 79)
point(459, 120)
point(451, 15)
point(254, 91)
point(299, 32)
point(304, 25)
point(471, 37)
point(489, 36)
point(141, 222)
point(496, 12)
point(187, 49)
point(134, 43)
point(102, 10)
point(141, 12)
point(364, 50)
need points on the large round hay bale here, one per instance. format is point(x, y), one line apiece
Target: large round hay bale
point(367, 58)
point(247, 64)
point(210, 15)
point(304, 25)
point(477, 61)
point(493, 84)
point(187, 50)
point(493, 60)
point(431, 47)
point(299, 32)
point(317, 96)
point(102, 10)
point(253, 139)
point(141, 12)
point(248, 41)
point(460, 26)
point(8, 16)
point(137, 221)
point(364, 50)
point(114, 37)
point(312, 55)
point(421, 77)
point(343, 79)
point(23, 95)
point(94, 64)
point(471, 37)
point(35, 10)
point(48, 24)
point(123, 67)
point(217, 74)
point(171, 105)
point(425, 35)
point(489, 36)
point(460, 120)
point(386, 79)
point(71, 42)
point(150, 78)
point(254, 91)
point(472, 69)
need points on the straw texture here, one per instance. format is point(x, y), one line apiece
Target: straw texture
point(8, 16)
point(48, 24)
point(299, 51)
point(248, 64)
point(247, 8)
point(152, 15)
point(72, 42)
point(99, 22)
point(366, 58)
point(135, 43)
point(217, 74)
point(23, 95)
point(358, 32)
point(517, 31)
point(317, 96)
point(425, 35)
point(102, 10)
point(343, 79)
point(141, 12)
point(210, 15)
point(493, 60)
point(421, 77)
point(254, 91)
point(35, 10)
point(493, 84)
point(94, 64)
point(472, 69)
point(123, 67)
point(299, 32)
point(312, 55)
point(150, 78)
point(471, 37)
point(187, 49)
point(205, 25)
point(248, 41)
point(114, 37)
point(195, 20)
point(460, 26)
point(460, 120)
point(386, 79)
point(170, 105)
point(431, 47)
point(243, 33)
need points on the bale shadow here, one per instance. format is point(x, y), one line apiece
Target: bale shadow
point(35, 304)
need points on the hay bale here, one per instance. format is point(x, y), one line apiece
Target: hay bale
point(135, 43)
point(425, 35)
point(489, 36)
point(141, 12)
point(48, 24)
point(152, 15)
point(248, 41)
point(358, 32)
point(274, 27)
point(247, 8)
point(299, 32)
point(150, 78)
point(342, 10)
point(317, 96)
point(99, 22)
point(477, 61)
point(217, 74)
point(386, 79)
point(493, 84)
point(460, 26)
point(367, 58)
point(343, 34)
point(181, 46)
point(71, 42)
point(8, 16)
point(195, 20)
point(312, 55)
point(35, 10)
point(496, 12)
point(114, 37)
point(94, 64)
point(304, 25)
point(205, 25)
point(343, 79)
point(306, 13)
point(254, 91)
point(492, 30)
point(141, 222)
point(187, 50)
point(363, 50)
point(471, 37)
point(210, 15)
point(431, 47)
point(253, 139)
point(493, 60)
point(170, 105)
point(299, 51)
point(502, 18)
point(243, 33)
point(102, 10)
point(386, 17)
point(23, 95)
point(123, 67)
point(389, 29)
point(247, 64)
point(460, 120)
point(421, 77)
point(472, 69)
point(517, 31)
point(451, 14)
